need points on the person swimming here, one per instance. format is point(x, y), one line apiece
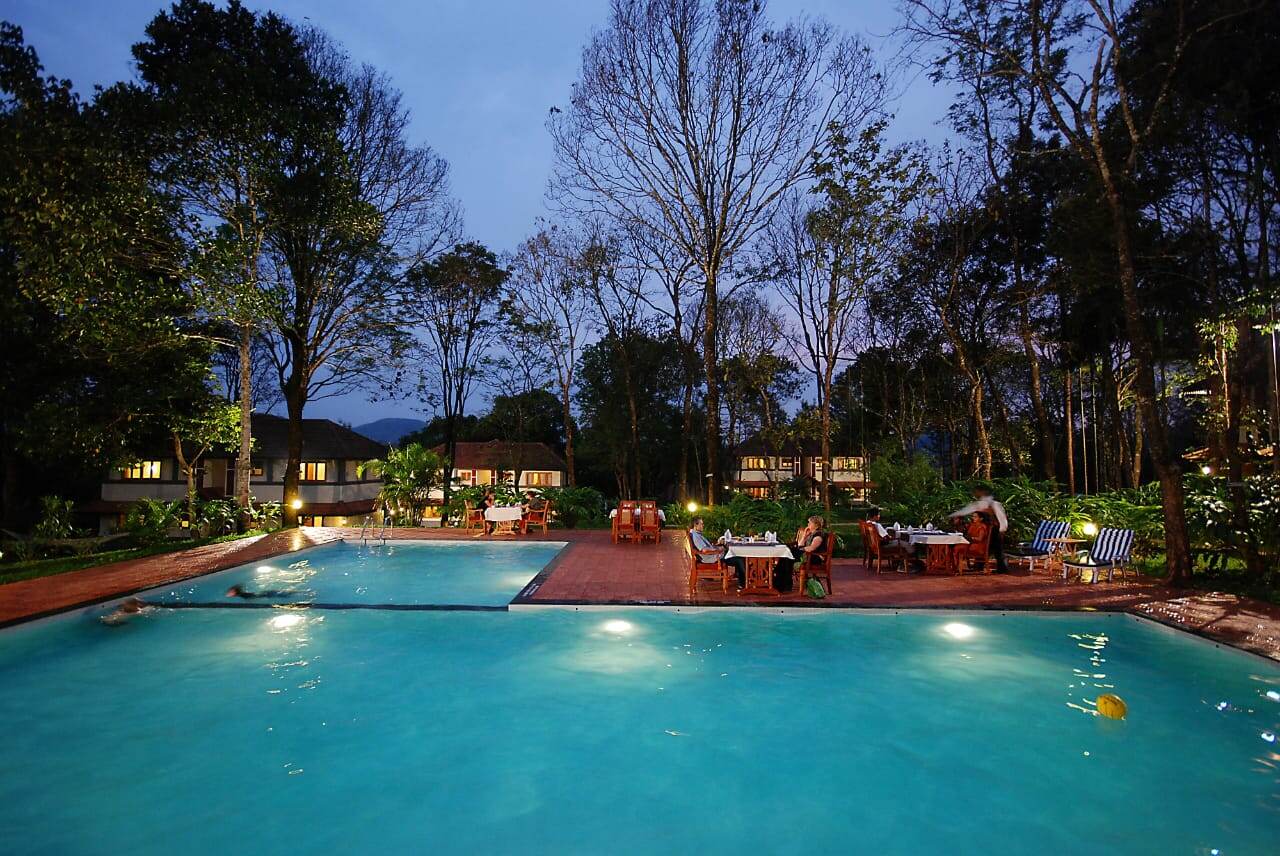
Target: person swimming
point(240, 591)
point(125, 611)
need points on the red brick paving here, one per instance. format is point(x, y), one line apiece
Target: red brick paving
point(594, 570)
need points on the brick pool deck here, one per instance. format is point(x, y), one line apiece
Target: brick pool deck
point(594, 571)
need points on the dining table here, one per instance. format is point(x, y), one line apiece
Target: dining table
point(760, 558)
point(504, 518)
point(940, 556)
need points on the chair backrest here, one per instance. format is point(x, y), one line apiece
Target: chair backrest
point(979, 535)
point(648, 515)
point(870, 543)
point(1046, 530)
point(649, 503)
point(626, 505)
point(1112, 545)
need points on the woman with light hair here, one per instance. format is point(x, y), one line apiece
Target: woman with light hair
point(812, 538)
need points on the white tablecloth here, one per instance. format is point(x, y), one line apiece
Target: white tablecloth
point(759, 551)
point(502, 512)
point(661, 514)
point(936, 538)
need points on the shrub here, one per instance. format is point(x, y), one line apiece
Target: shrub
point(574, 505)
point(149, 520)
point(55, 518)
point(217, 516)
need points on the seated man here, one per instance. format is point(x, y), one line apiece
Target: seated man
point(700, 543)
point(532, 502)
point(890, 546)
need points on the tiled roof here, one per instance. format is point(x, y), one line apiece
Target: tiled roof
point(499, 454)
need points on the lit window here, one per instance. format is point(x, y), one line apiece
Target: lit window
point(786, 463)
point(312, 471)
point(256, 470)
point(755, 463)
point(538, 479)
point(141, 470)
point(847, 464)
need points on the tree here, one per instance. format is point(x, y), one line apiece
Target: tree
point(453, 299)
point(92, 347)
point(230, 112)
point(548, 305)
point(824, 259)
point(1078, 57)
point(691, 119)
point(353, 217)
point(409, 476)
point(195, 432)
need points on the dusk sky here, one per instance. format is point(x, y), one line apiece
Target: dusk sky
point(479, 78)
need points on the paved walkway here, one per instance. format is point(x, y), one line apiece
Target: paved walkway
point(42, 596)
point(593, 570)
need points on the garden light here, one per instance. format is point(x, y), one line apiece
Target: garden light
point(1090, 529)
point(296, 504)
point(692, 507)
point(1207, 470)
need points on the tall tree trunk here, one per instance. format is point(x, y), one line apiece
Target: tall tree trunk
point(1177, 545)
point(633, 414)
point(686, 435)
point(1069, 428)
point(570, 467)
point(243, 465)
point(9, 491)
point(188, 469)
point(1048, 452)
point(1138, 444)
point(710, 366)
point(295, 402)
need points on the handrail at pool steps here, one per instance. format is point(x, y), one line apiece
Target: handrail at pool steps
point(388, 522)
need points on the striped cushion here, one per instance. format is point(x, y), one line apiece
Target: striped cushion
point(1046, 530)
point(1111, 547)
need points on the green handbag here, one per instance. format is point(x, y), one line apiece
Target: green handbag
point(814, 589)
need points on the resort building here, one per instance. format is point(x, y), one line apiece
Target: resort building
point(330, 487)
point(522, 465)
point(762, 469)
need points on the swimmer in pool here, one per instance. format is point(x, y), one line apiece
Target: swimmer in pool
point(240, 591)
point(128, 609)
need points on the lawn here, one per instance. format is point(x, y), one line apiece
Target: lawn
point(13, 572)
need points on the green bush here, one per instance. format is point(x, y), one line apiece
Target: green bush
point(743, 514)
point(574, 505)
point(55, 518)
point(149, 520)
point(217, 516)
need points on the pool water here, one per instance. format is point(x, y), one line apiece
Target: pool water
point(631, 731)
point(488, 573)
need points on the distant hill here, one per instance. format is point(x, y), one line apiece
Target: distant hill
point(388, 430)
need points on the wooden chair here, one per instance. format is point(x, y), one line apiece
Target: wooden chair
point(977, 552)
point(472, 518)
point(702, 570)
point(810, 567)
point(536, 517)
point(877, 554)
point(650, 525)
point(624, 522)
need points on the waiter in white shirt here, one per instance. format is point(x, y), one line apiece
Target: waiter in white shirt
point(991, 511)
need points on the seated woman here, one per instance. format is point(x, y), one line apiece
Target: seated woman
point(810, 541)
point(486, 502)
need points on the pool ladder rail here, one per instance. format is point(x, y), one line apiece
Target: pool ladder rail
point(366, 531)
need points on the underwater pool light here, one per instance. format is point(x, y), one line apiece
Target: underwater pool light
point(956, 630)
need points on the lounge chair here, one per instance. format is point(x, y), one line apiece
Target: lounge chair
point(704, 570)
point(1039, 548)
point(1111, 551)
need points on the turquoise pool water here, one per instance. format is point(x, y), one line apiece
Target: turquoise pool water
point(207, 731)
point(487, 573)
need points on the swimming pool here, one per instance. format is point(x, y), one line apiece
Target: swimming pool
point(631, 731)
point(483, 573)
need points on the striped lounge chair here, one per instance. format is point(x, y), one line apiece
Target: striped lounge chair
point(1110, 551)
point(1039, 548)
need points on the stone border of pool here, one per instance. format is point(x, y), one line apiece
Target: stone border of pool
point(591, 572)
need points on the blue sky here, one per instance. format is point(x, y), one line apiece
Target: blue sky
point(478, 76)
